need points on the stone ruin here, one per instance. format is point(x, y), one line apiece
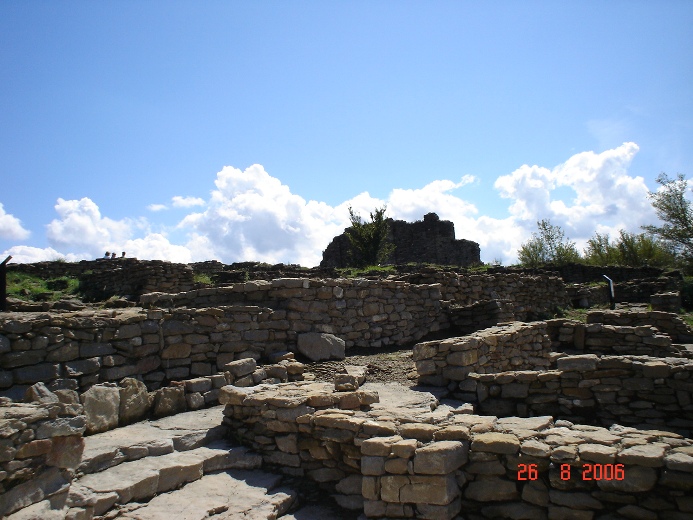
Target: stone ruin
point(176, 404)
point(431, 240)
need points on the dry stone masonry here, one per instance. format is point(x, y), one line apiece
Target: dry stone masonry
point(580, 420)
point(437, 463)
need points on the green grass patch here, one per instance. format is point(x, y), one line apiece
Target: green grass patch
point(32, 288)
point(371, 270)
point(203, 278)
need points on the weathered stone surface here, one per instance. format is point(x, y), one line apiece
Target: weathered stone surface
point(135, 401)
point(169, 401)
point(440, 458)
point(638, 479)
point(582, 363)
point(39, 393)
point(66, 452)
point(345, 382)
point(493, 442)
point(45, 485)
point(241, 367)
point(101, 407)
point(437, 490)
point(318, 346)
point(650, 455)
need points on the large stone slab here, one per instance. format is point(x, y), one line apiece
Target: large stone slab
point(318, 346)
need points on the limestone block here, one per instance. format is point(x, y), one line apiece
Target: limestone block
point(199, 384)
point(66, 452)
point(135, 401)
point(418, 489)
point(318, 346)
point(650, 455)
point(372, 466)
point(419, 431)
point(39, 393)
point(345, 383)
point(440, 458)
point(128, 331)
point(359, 372)
point(379, 446)
point(82, 367)
point(169, 401)
point(241, 367)
point(62, 426)
point(46, 484)
point(463, 358)
point(194, 400)
point(176, 351)
point(581, 363)
point(35, 373)
point(493, 442)
point(233, 395)
point(101, 407)
point(637, 479)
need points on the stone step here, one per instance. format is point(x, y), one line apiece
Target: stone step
point(228, 495)
point(142, 479)
point(180, 432)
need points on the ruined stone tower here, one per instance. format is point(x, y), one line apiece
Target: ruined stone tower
point(431, 240)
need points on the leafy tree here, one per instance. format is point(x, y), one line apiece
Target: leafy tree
point(676, 211)
point(629, 249)
point(547, 246)
point(368, 240)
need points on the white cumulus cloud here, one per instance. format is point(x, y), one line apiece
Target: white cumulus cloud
point(187, 202)
point(157, 207)
point(11, 227)
point(251, 215)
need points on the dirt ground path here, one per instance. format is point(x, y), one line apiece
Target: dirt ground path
point(384, 366)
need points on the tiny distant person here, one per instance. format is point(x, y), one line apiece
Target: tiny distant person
point(107, 255)
point(113, 256)
point(122, 254)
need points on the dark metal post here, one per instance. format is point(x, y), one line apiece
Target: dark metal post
point(612, 296)
point(3, 284)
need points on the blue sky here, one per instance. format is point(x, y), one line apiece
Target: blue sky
point(244, 130)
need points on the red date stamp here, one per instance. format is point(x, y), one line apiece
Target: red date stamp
point(589, 472)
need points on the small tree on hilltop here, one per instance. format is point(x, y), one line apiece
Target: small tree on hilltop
point(548, 246)
point(368, 240)
point(676, 211)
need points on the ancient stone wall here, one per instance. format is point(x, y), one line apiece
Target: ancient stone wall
point(598, 338)
point(667, 322)
point(77, 350)
point(606, 390)
point(431, 240)
point(532, 296)
point(516, 346)
point(101, 279)
point(490, 467)
point(581, 273)
point(39, 445)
